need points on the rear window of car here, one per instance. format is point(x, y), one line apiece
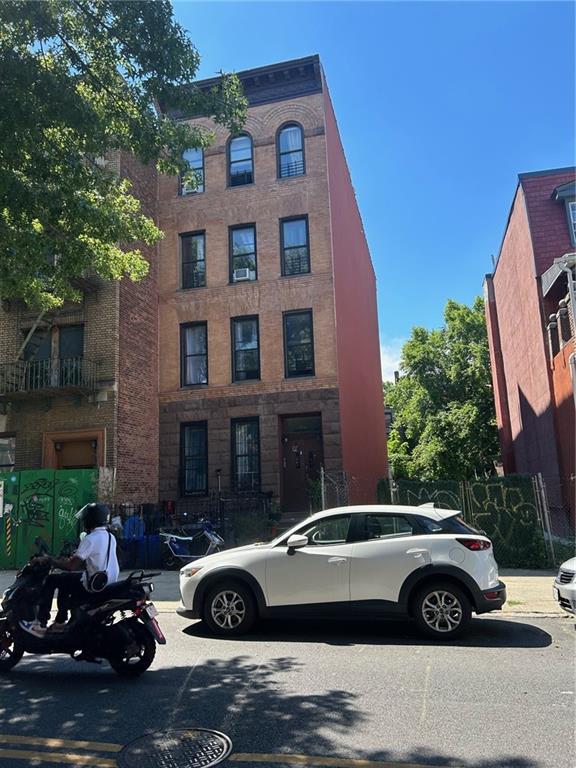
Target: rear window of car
point(454, 524)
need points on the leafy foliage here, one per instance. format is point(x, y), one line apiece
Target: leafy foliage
point(80, 79)
point(444, 420)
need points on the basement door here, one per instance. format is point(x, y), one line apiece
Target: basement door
point(300, 461)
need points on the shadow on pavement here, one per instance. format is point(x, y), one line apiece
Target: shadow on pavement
point(57, 698)
point(483, 633)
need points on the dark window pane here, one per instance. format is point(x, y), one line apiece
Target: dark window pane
point(195, 158)
point(72, 341)
point(245, 352)
point(194, 354)
point(246, 457)
point(194, 458)
point(296, 259)
point(241, 166)
point(39, 347)
point(193, 261)
point(299, 346)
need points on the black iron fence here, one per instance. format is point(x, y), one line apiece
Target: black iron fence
point(239, 518)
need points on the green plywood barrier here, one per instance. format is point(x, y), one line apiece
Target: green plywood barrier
point(35, 516)
point(72, 489)
point(41, 503)
point(8, 531)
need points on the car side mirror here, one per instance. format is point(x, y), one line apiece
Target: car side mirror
point(296, 542)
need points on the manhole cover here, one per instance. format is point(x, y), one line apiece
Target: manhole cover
point(187, 748)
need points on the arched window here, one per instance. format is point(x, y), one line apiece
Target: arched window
point(195, 158)
point(240, 161)
point(291, 151)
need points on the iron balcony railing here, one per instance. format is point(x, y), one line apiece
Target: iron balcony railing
point(25, 377)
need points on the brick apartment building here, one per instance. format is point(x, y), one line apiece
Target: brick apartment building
point(249, 356)
point(530, 316)
point(74, 395)
point(270, 361)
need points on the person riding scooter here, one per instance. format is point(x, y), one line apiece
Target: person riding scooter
point(92, 566)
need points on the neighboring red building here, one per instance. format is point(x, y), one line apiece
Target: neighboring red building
point(530, 317)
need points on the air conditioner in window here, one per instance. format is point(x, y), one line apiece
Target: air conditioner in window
point(241, 274)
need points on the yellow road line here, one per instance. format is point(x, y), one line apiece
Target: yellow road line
point(313, 760)
point(57, 757)
point(59, 743)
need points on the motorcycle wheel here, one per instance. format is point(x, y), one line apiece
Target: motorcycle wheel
point(11, 648)
point(137, 655)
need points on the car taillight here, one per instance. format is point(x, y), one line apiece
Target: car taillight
point(474, 544)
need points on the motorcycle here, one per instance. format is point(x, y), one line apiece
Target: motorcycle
point(118, 624)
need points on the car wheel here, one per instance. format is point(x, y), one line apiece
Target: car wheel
point(442, 610)
point(229, 609)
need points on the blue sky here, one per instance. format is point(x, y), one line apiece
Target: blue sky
point(440, 106)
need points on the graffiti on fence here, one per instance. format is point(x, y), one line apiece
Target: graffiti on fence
point(34, 510)
point(442, 498)
point(506, 509)
point(68, 502)
point(510, 516)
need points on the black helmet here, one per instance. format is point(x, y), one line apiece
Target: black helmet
point(93, 515)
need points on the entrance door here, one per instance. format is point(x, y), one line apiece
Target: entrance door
point(301, 458)
point(76, 454)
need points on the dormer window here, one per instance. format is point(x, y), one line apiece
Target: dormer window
point(567, 193)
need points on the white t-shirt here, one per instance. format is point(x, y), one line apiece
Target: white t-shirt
point(93, 550)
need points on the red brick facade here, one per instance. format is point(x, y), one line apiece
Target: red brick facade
point(533, 405)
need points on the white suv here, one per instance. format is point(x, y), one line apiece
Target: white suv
point(361, 561)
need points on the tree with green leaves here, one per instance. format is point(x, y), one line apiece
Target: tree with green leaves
point(79, 79)
point(444, 420)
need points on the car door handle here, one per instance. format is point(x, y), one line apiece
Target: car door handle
point(416, 552)
point(336, 560)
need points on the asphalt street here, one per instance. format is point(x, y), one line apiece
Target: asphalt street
point(342, 695)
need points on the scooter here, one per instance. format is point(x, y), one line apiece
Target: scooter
point(118, 624)
point(181, 550)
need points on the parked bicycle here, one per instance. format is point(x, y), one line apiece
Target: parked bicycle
point(181, 549)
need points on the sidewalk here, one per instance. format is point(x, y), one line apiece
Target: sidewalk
point(529, 592)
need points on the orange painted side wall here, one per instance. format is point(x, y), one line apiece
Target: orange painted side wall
point(357, 341)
